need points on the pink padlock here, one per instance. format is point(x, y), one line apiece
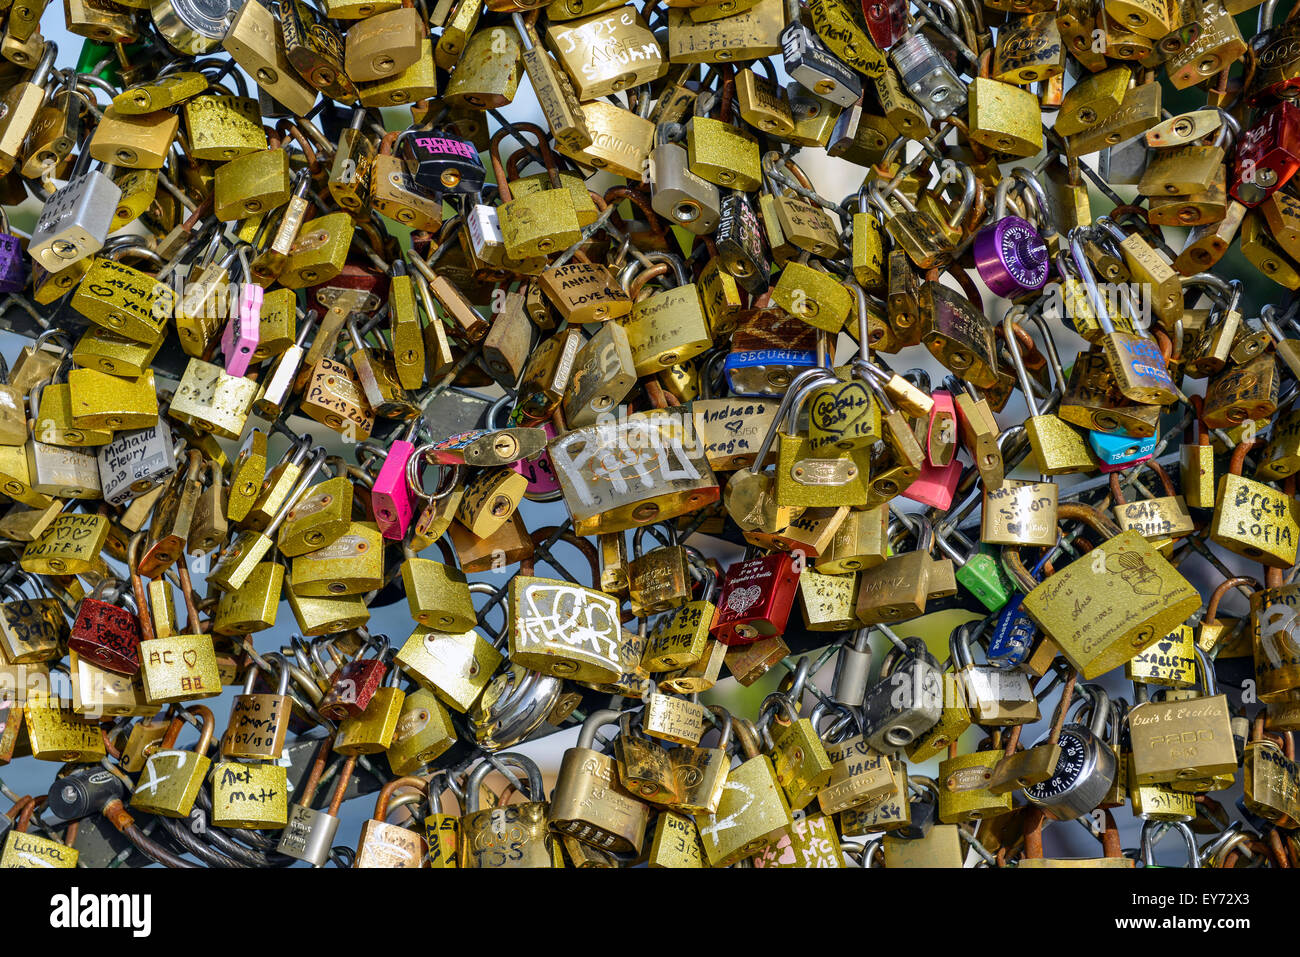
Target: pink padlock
point(390, 498)
point(243, 331)
point(941, 470)
point(538, 470)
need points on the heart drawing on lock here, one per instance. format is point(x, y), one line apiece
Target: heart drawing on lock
point(742, 599)
point(191, 657)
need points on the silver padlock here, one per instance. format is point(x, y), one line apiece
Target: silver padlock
point(852, 671)
point(928, 76)
point(136, 461)
point(815, 68)
point(74, 221)
point(907, 699)
point(995, 696)
point(677, 194)
point(1087, 766)
point(1124, 163)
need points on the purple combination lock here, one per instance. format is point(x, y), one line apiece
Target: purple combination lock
point(243, 332)
point(14, 267)
point(1010, 255)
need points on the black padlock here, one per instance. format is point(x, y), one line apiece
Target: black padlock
point(441, 163)
point(923, 809)
point(83, 792)
point(740, 244)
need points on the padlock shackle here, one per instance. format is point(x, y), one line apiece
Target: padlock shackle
point(1017, 360)
point(806, 387)
point(1208, 681)
point(1097, 704)
point(535, 790)
point(1084, 268)
point(778, 419)
point(1212, 607)
point(961, 638)
point(969, 188)
point(1094, 519)
point(1153, 831)
point(386, 793)
point(595, 721)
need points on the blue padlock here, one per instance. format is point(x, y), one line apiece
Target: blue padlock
point(1119, 448)
point(1014, 632)
point(765, 372)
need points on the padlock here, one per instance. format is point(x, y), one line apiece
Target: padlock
point(172, 778)
point(438, 595)
point(388, 845)
point(755, 599)
point(606, 501)
point(1253, 519)
point(422, 734)
point(256, 42)
point(1158, 729)
point(753, 794)
point(964, 780)
point(1086, 767)
point(70, 545)
point(678, 194)
point(927, 75)
point(1170, 662)
point(861, 777)
point(74, 221)
point(1273, 641)
point(355, 683)
point(994, 696)
point(807, 60)
point(253, 608)
point(721, 153)
point(1270, 776)
point(135, 462)
point(658, 580)
point(223, 127)
point(666, 327)
point(32, 629)
point(104, 633)
point(23, 850)
point(591, 656)
point(1011, 255)
point(1127, 573)
point(23, 102)
point(906, 700)
point(513, 835)
point(259, 721)
point(589, 804)
point(372, 730)
point(247, 795)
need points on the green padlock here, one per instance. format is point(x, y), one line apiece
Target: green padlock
point(978, 571)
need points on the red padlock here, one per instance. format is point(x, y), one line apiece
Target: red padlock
point(106, 634)
point(756, 598)
point(1267, 155)
point(367, 284)
point(353, 685)
point(886, 21)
